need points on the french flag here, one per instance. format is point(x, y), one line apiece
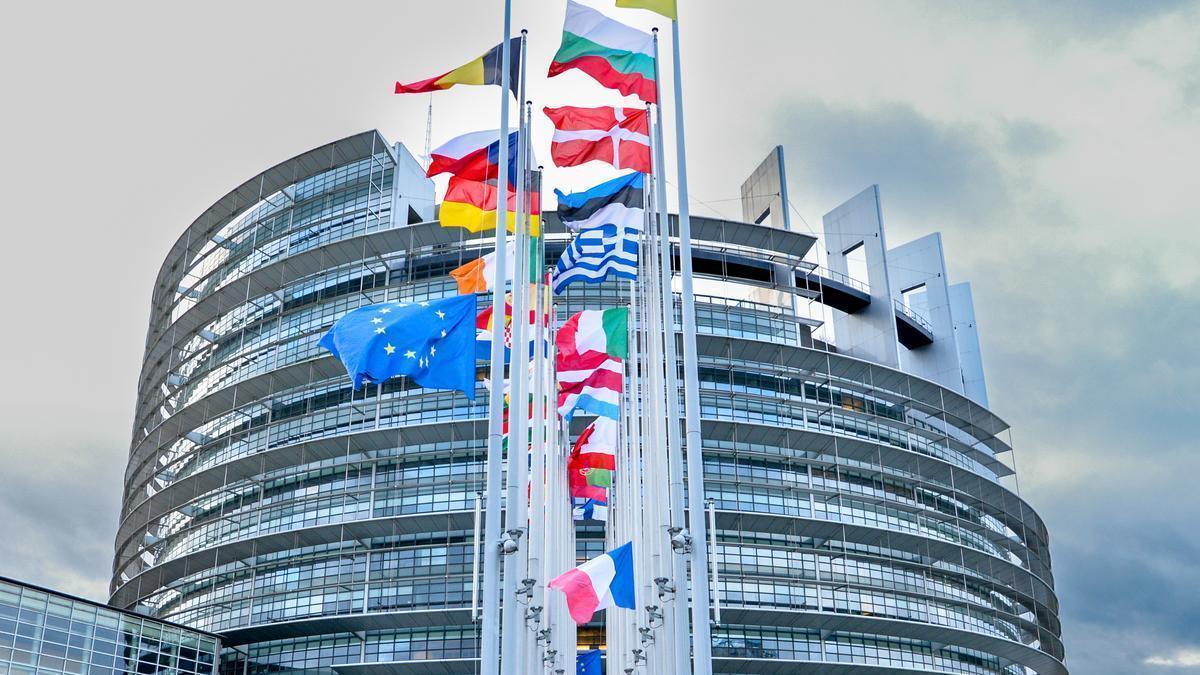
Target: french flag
point(599, 583)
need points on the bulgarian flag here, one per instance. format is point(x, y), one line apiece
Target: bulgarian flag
point(483, 70)
point(472, 204)
point(600, 583)
point(615, 55)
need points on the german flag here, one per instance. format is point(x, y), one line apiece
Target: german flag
point(472, 204)
point(483, 70)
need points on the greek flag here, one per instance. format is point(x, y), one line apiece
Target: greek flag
point(597, 252)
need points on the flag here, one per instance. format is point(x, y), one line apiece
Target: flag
point(483, 70)
point(589, 509)
point(472, 204)
point(475, 156)
point(615, 55)
point(594, 330)
point(620, 201)
point(479, 275)
point(593, 459)
point(591, 383)
point(618, 136)
point(665, 7)
point(595, 254)
point(483, 329)
point(431, 342)
point(589, 663)
point(602, 582)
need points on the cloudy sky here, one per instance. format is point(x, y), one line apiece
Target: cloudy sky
point(1053, 144)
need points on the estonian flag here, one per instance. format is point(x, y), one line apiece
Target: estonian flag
point(620, 201)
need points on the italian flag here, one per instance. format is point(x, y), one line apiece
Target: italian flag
point(594, 330)
point(615, 55)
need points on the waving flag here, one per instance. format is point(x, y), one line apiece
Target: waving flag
point(589, 509)
point(479, 275)
point(472, 205)
point(591, 383)
point(594, 330)
point(618, 136)
point(483, 70)
point(665, 7)
point(593, 460)
point(600, 583)
point(615, 55)
point(431, 342)
point(591, 348)
point(620, 201)
point(596, 254)
point(589, 663)
point(474, 156)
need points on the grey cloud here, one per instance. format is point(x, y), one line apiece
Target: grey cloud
point(1096, 377)
point(930, 173)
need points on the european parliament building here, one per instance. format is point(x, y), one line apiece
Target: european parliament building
point(865, 511)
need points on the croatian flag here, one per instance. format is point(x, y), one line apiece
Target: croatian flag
point(600, 583)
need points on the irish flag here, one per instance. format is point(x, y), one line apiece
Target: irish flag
point(615, 55)
point(479, 275)
point(600, 583)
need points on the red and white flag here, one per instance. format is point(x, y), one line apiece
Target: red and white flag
point(618, 136)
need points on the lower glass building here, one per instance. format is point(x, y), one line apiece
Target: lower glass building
point(47, 633)
point(866, 519)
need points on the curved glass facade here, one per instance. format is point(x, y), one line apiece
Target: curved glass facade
point(861, 518)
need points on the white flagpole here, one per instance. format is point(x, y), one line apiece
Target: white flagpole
point(513, 623)
point(701, 631)
point(489, 648)
point(537, 484)
point(680, 638)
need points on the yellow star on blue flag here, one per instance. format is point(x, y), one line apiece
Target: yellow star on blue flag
point(432, 342)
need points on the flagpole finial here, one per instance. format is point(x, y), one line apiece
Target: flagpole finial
point(524, 31)
point(654, 30)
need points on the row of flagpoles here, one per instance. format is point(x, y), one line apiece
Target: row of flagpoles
point(617, 365)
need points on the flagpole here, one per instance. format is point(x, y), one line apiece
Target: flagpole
point(701, 631)
point(489, 649)
point(512, 622)
point(681, 637)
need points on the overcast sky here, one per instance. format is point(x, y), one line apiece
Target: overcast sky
point(1053, 144)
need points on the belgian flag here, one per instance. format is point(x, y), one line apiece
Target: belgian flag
point(483, 70)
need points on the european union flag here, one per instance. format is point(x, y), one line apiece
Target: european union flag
point(432, 342)
point(588, 663)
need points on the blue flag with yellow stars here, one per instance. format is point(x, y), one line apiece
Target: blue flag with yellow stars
point(432, 342)
point(588, 663)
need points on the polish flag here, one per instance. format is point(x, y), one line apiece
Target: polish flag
point(600, 583)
